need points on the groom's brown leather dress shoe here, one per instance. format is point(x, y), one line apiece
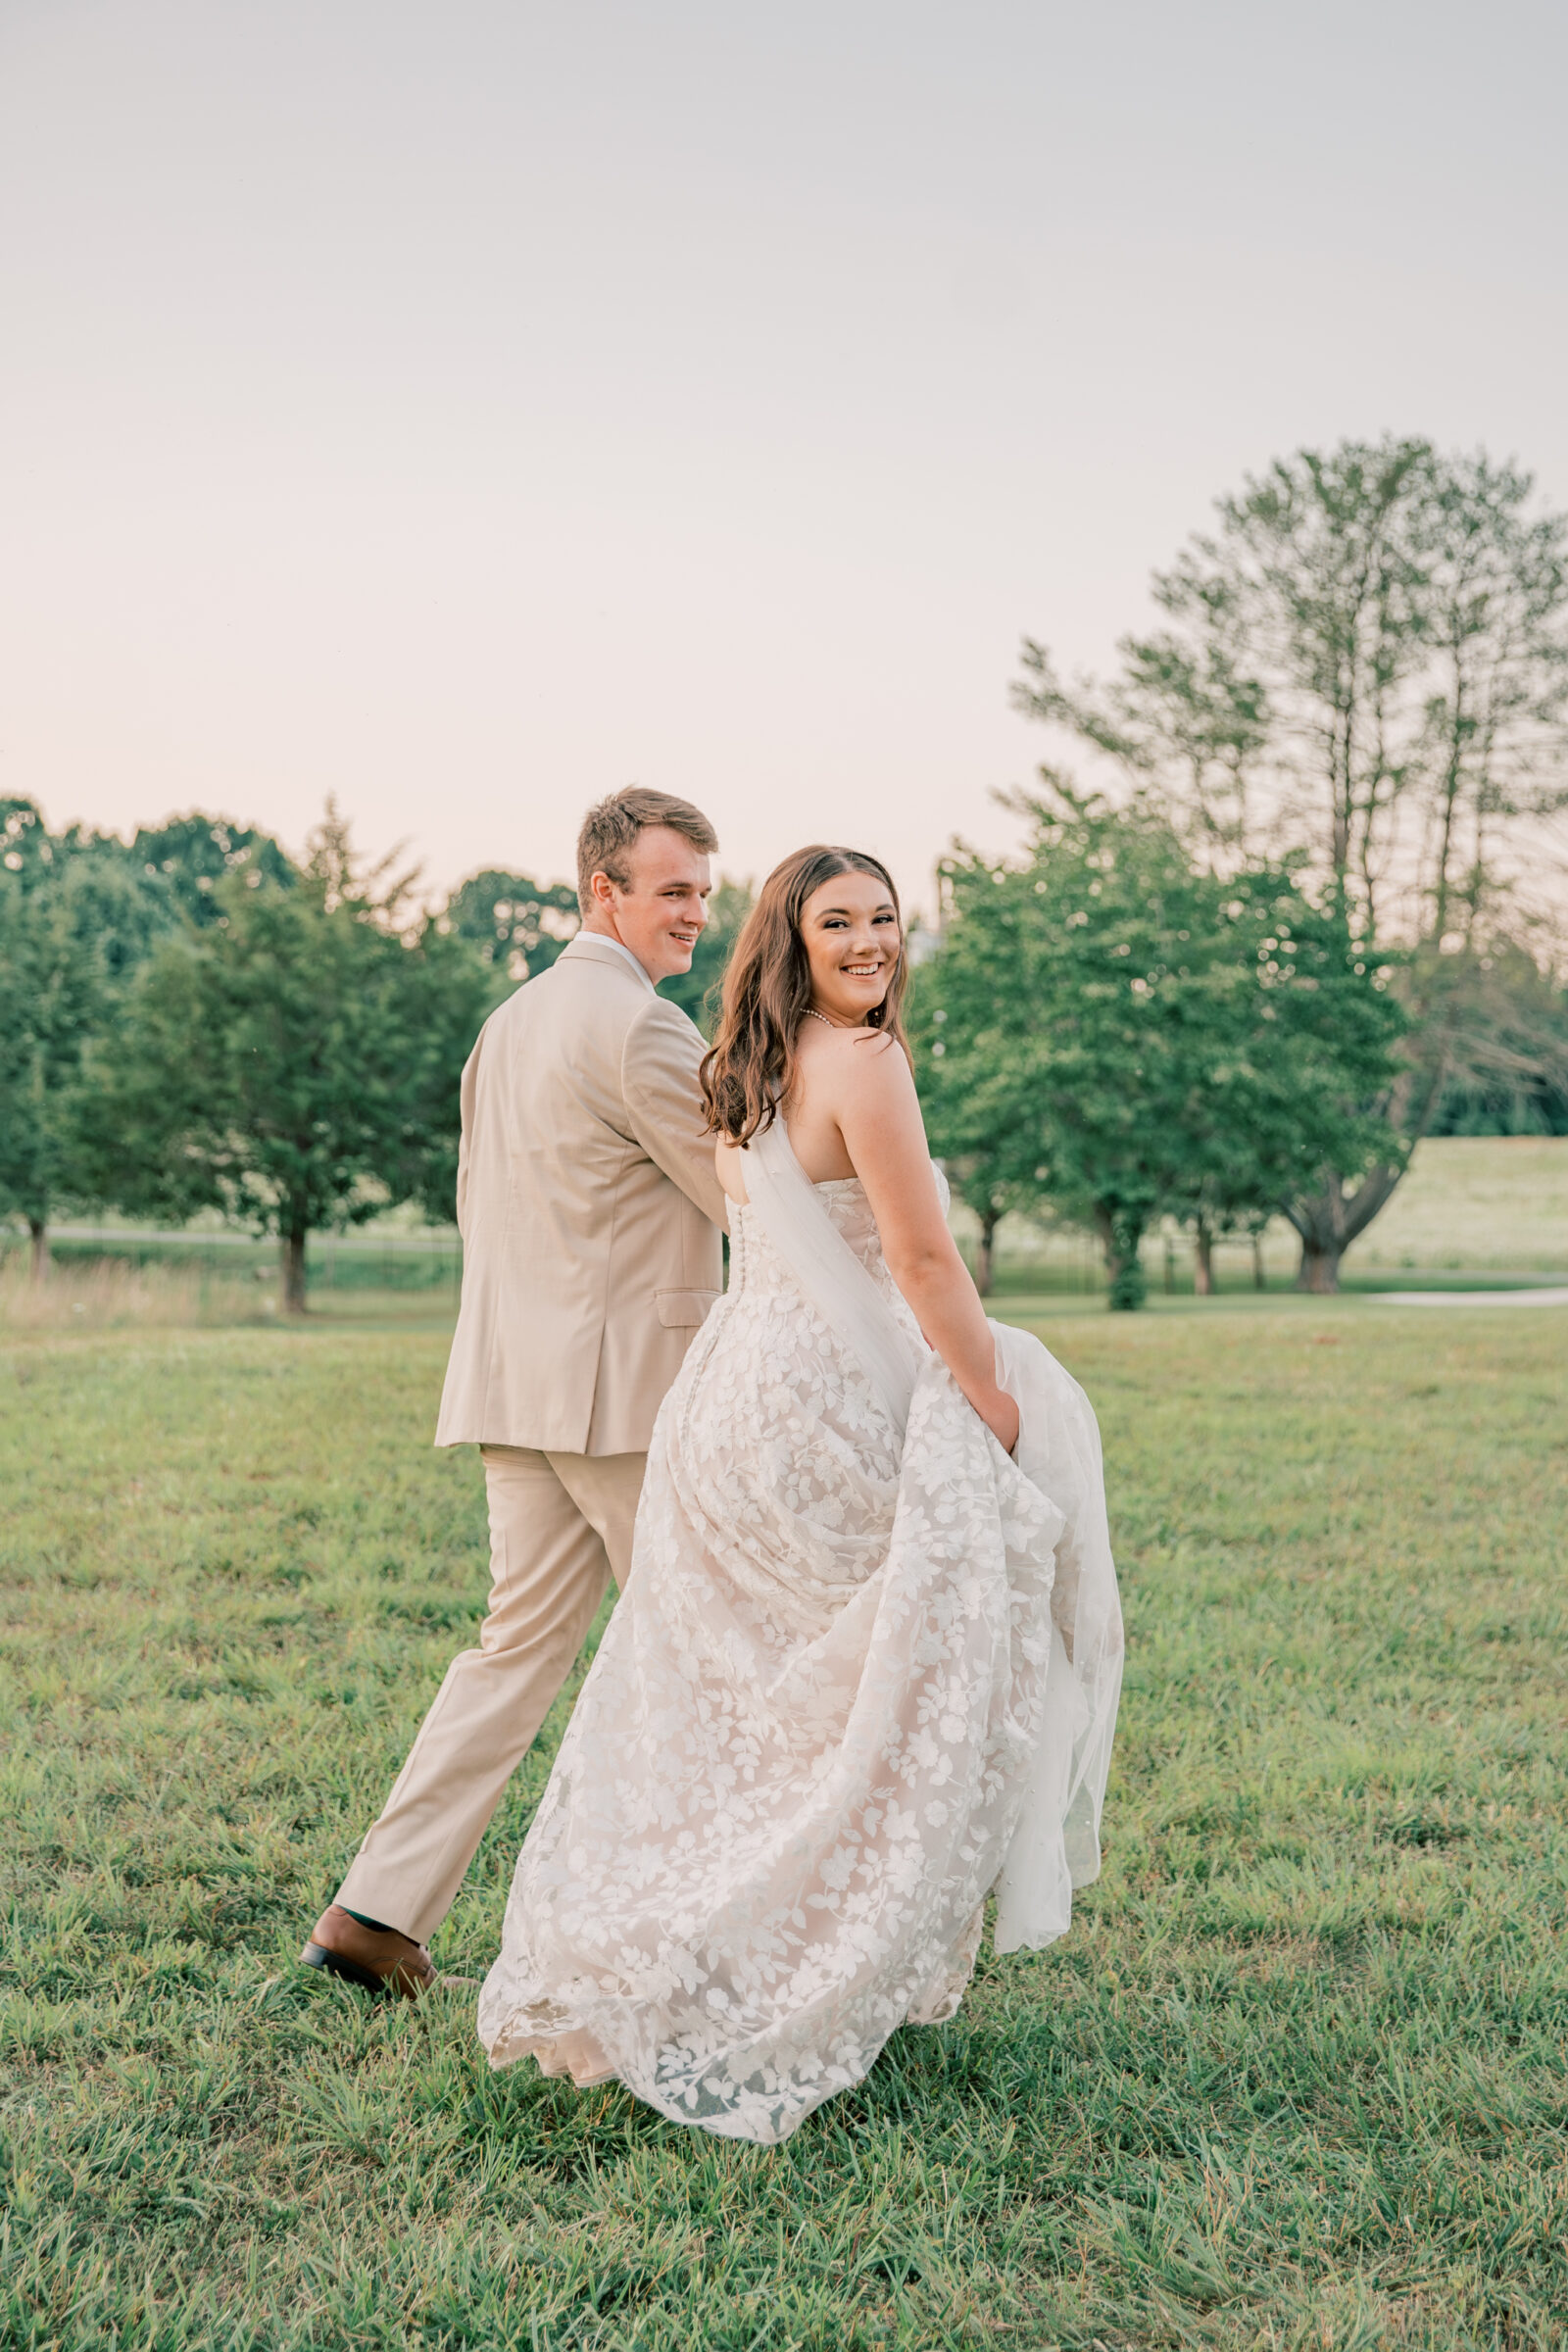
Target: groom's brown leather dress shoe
point(379, 1959)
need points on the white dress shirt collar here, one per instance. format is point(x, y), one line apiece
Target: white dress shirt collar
point(604, 940)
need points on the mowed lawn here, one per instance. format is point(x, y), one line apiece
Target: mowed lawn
point(1299, 2076)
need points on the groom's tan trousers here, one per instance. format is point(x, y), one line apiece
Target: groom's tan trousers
point(561, 1526)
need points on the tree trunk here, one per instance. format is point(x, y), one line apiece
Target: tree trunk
point(39, 1230)
point(1170, 1267)
point(1320, 1269)
point(1329, 1221)
point(291, 1263)
point(1121, 1234)
point(1203, 1261)
point(1260, 1278)
point(985, 1259)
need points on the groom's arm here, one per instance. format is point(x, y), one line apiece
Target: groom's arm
point(659, 1068)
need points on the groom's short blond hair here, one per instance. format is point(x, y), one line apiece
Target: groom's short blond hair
point(611, 827)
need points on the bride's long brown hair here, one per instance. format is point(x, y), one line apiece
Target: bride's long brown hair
point(750, 1068)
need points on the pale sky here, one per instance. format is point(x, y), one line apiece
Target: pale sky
point(470, 408)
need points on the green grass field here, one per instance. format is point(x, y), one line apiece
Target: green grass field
point(1298, 2077)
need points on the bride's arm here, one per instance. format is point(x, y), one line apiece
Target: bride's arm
point(878, 1115)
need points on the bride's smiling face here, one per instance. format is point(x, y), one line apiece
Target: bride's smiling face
point(850, 931)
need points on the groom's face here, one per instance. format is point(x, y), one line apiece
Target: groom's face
point(659, 915)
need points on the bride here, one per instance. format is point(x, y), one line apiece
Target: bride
point(866, 1668)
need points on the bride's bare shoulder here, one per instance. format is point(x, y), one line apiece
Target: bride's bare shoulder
point(851, 1058)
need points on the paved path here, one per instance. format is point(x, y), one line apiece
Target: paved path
point(1556, 1298)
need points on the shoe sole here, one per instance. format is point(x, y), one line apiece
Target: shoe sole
point(333, 1964)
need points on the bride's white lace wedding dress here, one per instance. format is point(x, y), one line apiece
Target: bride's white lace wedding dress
point(863, 1671)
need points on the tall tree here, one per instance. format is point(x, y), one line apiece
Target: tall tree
point(1111, 1026)
point(190, 855)
point(295, 1062)
point(972, 1114)
point(1367, 661)
point(54, 1002)
point(1494, 751)
point(516, 923)
point(77, 917)
point(1185, 716)
point(28, 849)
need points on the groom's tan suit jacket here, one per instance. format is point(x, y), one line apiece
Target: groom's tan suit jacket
point(589, 1208)
point(589, 1211)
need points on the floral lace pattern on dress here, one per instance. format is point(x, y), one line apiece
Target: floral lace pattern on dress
point(797, 1762)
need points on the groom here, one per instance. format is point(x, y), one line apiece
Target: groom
point(589, 1215)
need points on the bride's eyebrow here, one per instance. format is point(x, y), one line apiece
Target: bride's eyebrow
point(885, 908)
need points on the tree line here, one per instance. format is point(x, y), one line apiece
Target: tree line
point(1299, 913)
point(1358, 677)
point(195, 1020)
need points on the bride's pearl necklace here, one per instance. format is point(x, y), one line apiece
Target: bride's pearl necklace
point(812, 1014)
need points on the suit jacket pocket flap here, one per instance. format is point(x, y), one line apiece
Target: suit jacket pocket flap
point(677, 1308)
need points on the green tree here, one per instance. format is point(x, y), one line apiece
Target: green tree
point(1493, 751)
point(971, 1113)
point(1184, 717)
point(295, 1061)
point(188, 857)
point(516, 924)
point(27, 850)
point(1314, 1061)
point(76, 919)
point(1108, 1025)
point(54, 1002)
point(1366, 662)
point(118, 903)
